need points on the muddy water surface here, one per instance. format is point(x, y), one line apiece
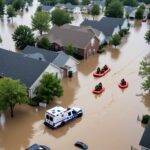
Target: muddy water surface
point(109, 121)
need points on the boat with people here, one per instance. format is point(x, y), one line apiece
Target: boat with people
point(101, 72)
point(123, 84)
point(98, 89)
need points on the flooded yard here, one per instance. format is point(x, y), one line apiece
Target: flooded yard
point(109, 121)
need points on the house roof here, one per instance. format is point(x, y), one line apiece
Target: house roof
point(145, 140)
point(18, 67)
point(105, 25)
point(79, 37)
point(59, 59)
point(129, 9)
point(46, 8)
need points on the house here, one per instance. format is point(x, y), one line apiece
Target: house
point(29, 71)
point(83, 40)
point(130, 11)
point(46, 8)
point(59, 59)
point(85, 9)
point(106, 27)
point(145, 140)
point(68, 7)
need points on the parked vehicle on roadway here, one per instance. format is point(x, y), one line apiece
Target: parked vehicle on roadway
point(59, 116)
point(38, 147)
point(81, 145)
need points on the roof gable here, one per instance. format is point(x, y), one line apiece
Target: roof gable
point(79, 37)
point(105, 25)
point(18, 67)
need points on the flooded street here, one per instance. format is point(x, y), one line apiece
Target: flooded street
point(109, 121)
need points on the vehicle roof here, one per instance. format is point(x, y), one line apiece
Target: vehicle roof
point(56, 110)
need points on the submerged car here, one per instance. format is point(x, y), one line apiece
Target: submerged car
point(38, 147)
point(81, 145)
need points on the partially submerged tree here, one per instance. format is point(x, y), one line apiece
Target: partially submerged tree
point(114, 9)
point(115, 40)
point(44, 43)
point(0, 39)
point(11, 12)
point(2, 5)
point(139, 13)
point(95, 10)
point(18, 4)
point(147, 37)
point(12, 92)
point(41, 21)
point(85, 2)
point(145, 73)
point(23, 36)
point(60, 17)
point(49, 88)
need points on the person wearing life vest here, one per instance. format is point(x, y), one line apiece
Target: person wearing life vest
point(123, 82)
point(98, 70)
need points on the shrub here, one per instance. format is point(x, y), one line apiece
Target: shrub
point(145, 119)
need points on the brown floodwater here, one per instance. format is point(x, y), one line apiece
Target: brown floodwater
point(109, 121)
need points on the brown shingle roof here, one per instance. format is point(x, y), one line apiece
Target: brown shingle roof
point(79, 37)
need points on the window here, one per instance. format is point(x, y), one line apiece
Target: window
point(47, 117)
point(69, 113)
point(51, 118)
point(92, 41)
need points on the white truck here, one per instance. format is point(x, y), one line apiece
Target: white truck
point(58, 116)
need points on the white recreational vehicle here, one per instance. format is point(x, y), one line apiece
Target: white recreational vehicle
point(58, 116)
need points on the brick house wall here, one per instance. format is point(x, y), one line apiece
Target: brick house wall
point(92, 48)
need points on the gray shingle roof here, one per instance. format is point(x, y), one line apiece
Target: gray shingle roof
point(105, 25)
point(145, 140)
point(57, 58)
point(46, 8)
point(129, 9)
point(18, 67)
point(79, 37)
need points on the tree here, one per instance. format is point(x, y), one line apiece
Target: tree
point(49, 88)
point(12, 92)
point(114, 9)
point(11, 12)
point(40, 21)
point(145, 73)
point(18, 4)
point(60, 17)
point(2, 5)
point(147, 37)
point(95, 10)
point(139, 14)
point(85, 2)
point(44, 43)
point(0, 39)
point(70, 49)
point(23, 36)
point(132, 3)
point(115, 40)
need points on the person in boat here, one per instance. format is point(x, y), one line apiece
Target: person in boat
point(98, 87)
point(98, 70)
point(105, 67)
point(123, 82)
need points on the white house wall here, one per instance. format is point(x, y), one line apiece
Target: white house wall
point(72, 64)
point(125, 25)
point(102, 38)
point(116, 30)
point(49, 69)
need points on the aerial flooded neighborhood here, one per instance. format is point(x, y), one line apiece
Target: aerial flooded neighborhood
point(74, 74)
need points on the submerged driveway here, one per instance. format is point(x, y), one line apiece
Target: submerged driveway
point(109, 121)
